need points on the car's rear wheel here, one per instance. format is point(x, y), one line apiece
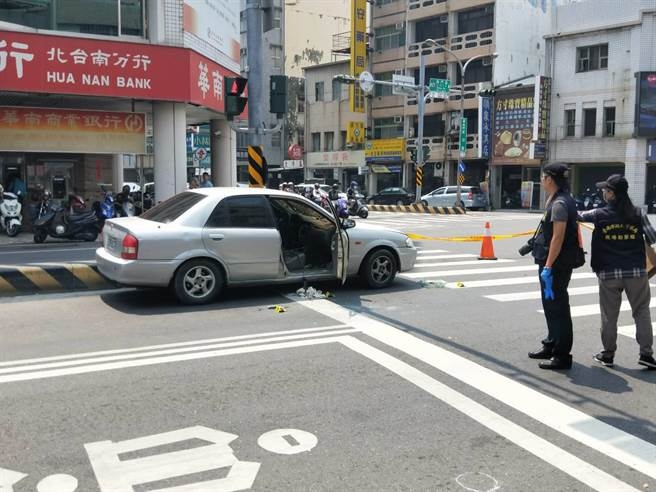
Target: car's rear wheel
point(198, 282)
point(400, 202)
point(379, 269)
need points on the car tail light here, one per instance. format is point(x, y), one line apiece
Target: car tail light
point(130, 247)
point(470, 196)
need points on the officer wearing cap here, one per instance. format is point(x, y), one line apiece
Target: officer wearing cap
point(554, 247)
point(618, 258)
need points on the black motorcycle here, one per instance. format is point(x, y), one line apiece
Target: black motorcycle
point(66, 223)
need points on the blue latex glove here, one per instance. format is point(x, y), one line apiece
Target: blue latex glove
point(547, 278)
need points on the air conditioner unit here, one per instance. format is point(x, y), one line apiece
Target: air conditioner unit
point(484, 86)
point(398, 119)
point(399, 26)
point(487, 62)
point(444, 19)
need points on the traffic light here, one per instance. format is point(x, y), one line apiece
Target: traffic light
point(278, 95)
point(413, 154)
point(487, 93)
point(235, 101)
point(426, 150)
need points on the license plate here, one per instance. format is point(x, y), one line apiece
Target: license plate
point(112, 242)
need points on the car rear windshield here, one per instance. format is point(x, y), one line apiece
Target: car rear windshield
point(174, 207)
point(475, 190)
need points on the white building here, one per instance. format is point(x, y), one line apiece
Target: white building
point(595, 52)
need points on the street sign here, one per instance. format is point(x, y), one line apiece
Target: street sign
point(463, 136)
point(366, 81)
point(295, 152)
point(439, 87)
point(461, 166)
point(404, 85)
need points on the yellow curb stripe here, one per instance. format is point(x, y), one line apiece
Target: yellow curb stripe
point(417, 208)
point(6, 287)
point(39, 277)
point(87, 275)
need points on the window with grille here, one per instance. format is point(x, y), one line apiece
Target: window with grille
point(316, 142)
point(476, 19)
point(589, 122)
point(318, 91)
point(389, 37)
point(592, 58)
point(383, 90)
point(329, 139)
point(609, 122)
point(387, 128)
point(570, 122)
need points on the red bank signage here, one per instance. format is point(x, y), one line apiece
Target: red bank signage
point(65, 65)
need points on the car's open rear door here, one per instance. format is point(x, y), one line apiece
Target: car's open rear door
point(342, 246)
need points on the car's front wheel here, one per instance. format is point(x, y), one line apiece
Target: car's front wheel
point(371, 201)
point(424, 203)
point(400, 202)
point(379, 269)
point(198, 282)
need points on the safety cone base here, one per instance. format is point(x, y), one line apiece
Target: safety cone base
point(487, 248)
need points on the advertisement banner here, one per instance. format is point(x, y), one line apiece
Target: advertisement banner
point(645, 120)
point(513, 125)
point(358, 52)
point(64, 65)
point(214, 23)
point(527, 193)
point(541, 113)
point(485, 127)
point(389, 149)
point(71, 130)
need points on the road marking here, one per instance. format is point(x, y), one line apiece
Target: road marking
point(536, 294)
point(422, 251)
point(541, 448)
point(615, 443)
point(472, 271)
point(590, 309)
point(57, 483)
point(171, 345)
point(459, 263)
point(496, 282)
point(81, 366)
point(9, 478)
point(23, 251)
point(444, 257)
point(278, 441)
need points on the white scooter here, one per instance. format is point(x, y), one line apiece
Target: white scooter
point(11, 219)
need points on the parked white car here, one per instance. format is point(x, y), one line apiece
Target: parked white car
point(201, 240)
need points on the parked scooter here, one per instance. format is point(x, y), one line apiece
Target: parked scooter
point(105, 209)
point(72, 222)
point(11, 219)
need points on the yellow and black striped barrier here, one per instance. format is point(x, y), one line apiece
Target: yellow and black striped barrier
point(60, 277)
point(257, 167)
point(417, 208)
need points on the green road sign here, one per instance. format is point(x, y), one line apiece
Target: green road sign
point(439, 85)
point(463, 137)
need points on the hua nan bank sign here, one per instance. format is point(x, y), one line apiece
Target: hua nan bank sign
point(81, 66)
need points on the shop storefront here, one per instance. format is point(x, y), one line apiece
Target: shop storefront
point(384, 160)
point(340, 167)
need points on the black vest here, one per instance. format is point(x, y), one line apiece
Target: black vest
point(616, 243)
point(570, 242)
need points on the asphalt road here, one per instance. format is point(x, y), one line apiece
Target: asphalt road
point(409, 388)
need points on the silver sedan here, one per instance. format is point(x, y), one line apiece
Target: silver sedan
point(202, 240)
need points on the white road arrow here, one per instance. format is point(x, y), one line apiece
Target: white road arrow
point(9, 478)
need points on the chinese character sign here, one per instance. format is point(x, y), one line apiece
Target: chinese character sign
point(358, 52)
point(63, 65)
point(513, 124)
point(71, 130)
point(485, 127)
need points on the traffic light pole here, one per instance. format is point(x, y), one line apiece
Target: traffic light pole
point(420, 119)
point(254, 75)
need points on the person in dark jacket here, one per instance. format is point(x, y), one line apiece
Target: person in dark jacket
point(554, 249)
point(621, 237)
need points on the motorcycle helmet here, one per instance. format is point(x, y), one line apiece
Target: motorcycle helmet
point(47, 195)
point(335, 186)
point(125, 189)
point(316, 186)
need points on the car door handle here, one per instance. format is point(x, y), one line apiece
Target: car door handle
point(216, 237)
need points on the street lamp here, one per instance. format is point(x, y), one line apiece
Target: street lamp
point(420, 126)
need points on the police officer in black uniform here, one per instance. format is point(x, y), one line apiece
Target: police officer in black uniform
point(554, 250)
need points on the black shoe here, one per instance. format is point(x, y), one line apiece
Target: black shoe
point(556, 363)
point(604, 359)
point(647, 361)
point(543, 353)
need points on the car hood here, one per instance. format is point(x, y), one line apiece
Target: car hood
point(363, 230)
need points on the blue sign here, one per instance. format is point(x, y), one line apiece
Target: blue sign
point(651, 150)
point(461, 166)
point(485, 144)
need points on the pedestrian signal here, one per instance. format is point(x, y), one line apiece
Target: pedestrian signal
point(235, 100)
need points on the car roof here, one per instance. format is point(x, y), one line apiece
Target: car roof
point(222, 192)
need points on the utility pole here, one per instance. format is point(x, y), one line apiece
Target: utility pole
point(254, 74)
point(420, 119)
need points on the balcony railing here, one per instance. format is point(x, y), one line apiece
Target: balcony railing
point(413, 48)
point(471, 92)
point(472, 40)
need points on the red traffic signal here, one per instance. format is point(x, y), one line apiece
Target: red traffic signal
point(235, 101)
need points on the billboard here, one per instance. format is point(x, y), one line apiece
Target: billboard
point(82, 66)
point(513, 125)
point(645, 114)
point(358, 52)
point(215, 23)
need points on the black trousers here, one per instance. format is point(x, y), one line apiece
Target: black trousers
point(560, 335)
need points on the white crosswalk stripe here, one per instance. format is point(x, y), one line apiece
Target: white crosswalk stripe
point(407, 221)
point(437, 264)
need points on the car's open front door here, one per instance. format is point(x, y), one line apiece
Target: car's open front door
point(341, 246)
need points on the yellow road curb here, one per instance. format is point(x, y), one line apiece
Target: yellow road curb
point(55, 277)
point(418, 208)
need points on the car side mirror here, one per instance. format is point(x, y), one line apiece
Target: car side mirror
point(348, 223)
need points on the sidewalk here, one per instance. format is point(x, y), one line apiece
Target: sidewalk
point(28, 238)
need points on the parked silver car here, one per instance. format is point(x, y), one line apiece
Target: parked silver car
point(201, 240)
point(472, 197)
